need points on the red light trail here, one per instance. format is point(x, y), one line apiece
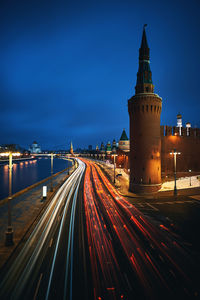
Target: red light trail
point(151, 252)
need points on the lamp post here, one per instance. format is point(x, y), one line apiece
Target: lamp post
point(114, 155)
point(9, 232)
point(190, 178)
point(52, 171)
point(175, 154)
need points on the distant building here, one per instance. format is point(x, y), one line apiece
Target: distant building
point(71, 149)
point(102, 149)
point(108, 148)
point(114, 146)
point(90, 147)
point(124, 143)
point(35, 148)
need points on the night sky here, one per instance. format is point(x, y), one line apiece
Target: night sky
point(67, 68)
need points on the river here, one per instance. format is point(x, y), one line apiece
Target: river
point(26, 173)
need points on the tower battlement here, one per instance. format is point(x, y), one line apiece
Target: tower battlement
point(183, 132)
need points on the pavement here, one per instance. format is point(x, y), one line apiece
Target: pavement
point(122, 182)
point(25, 208)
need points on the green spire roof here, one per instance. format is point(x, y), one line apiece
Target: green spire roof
point(124, 136)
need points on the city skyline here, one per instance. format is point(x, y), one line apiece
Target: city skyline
point(68, 71)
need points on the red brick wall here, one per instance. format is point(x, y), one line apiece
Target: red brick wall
point(189, 146)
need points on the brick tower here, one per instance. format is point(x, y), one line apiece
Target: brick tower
point(145, 143)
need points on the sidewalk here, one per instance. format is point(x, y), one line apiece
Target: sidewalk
point(122, 183)
point(25, 207)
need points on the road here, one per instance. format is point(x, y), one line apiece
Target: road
point(131, 258)
point(43, 268)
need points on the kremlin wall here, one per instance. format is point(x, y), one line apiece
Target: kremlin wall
point(185, 140)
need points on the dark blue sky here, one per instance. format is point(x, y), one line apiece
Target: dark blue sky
point(67, 68)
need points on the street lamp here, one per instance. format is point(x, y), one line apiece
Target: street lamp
point(9, 232)
point(190, 177)
point(175, 154)
point(114, 155)
point(52, 171)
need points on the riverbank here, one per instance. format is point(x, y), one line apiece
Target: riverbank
point(5, 161)
point(25, 173)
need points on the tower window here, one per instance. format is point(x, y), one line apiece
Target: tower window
point(147, 89)
point(151, 156)
point(146, 107)
point(154, 108)
point(143, 108)
point(151, 108)
point(149, 180)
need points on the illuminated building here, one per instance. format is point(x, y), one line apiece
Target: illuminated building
point(114, 146)
point(102, 148)
point(124, 143)
point(35, 148)
point(108, 148)
point(145, 142)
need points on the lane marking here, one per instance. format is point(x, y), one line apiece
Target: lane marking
point(38, 285)
point(153, 207)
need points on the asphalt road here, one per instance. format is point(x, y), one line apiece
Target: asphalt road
point(181, 214)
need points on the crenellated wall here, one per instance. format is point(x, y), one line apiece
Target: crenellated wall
point(188, 144)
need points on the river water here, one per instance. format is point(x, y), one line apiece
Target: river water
point(26, 173)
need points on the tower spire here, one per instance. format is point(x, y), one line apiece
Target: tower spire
point(144, 48)
point(144, 77)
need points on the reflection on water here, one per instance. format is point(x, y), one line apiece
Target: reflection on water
point(26, 173)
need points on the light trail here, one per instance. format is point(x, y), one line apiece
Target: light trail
point(151, 251)
point(75, 188)
point(101, 250)
point(34, 250)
